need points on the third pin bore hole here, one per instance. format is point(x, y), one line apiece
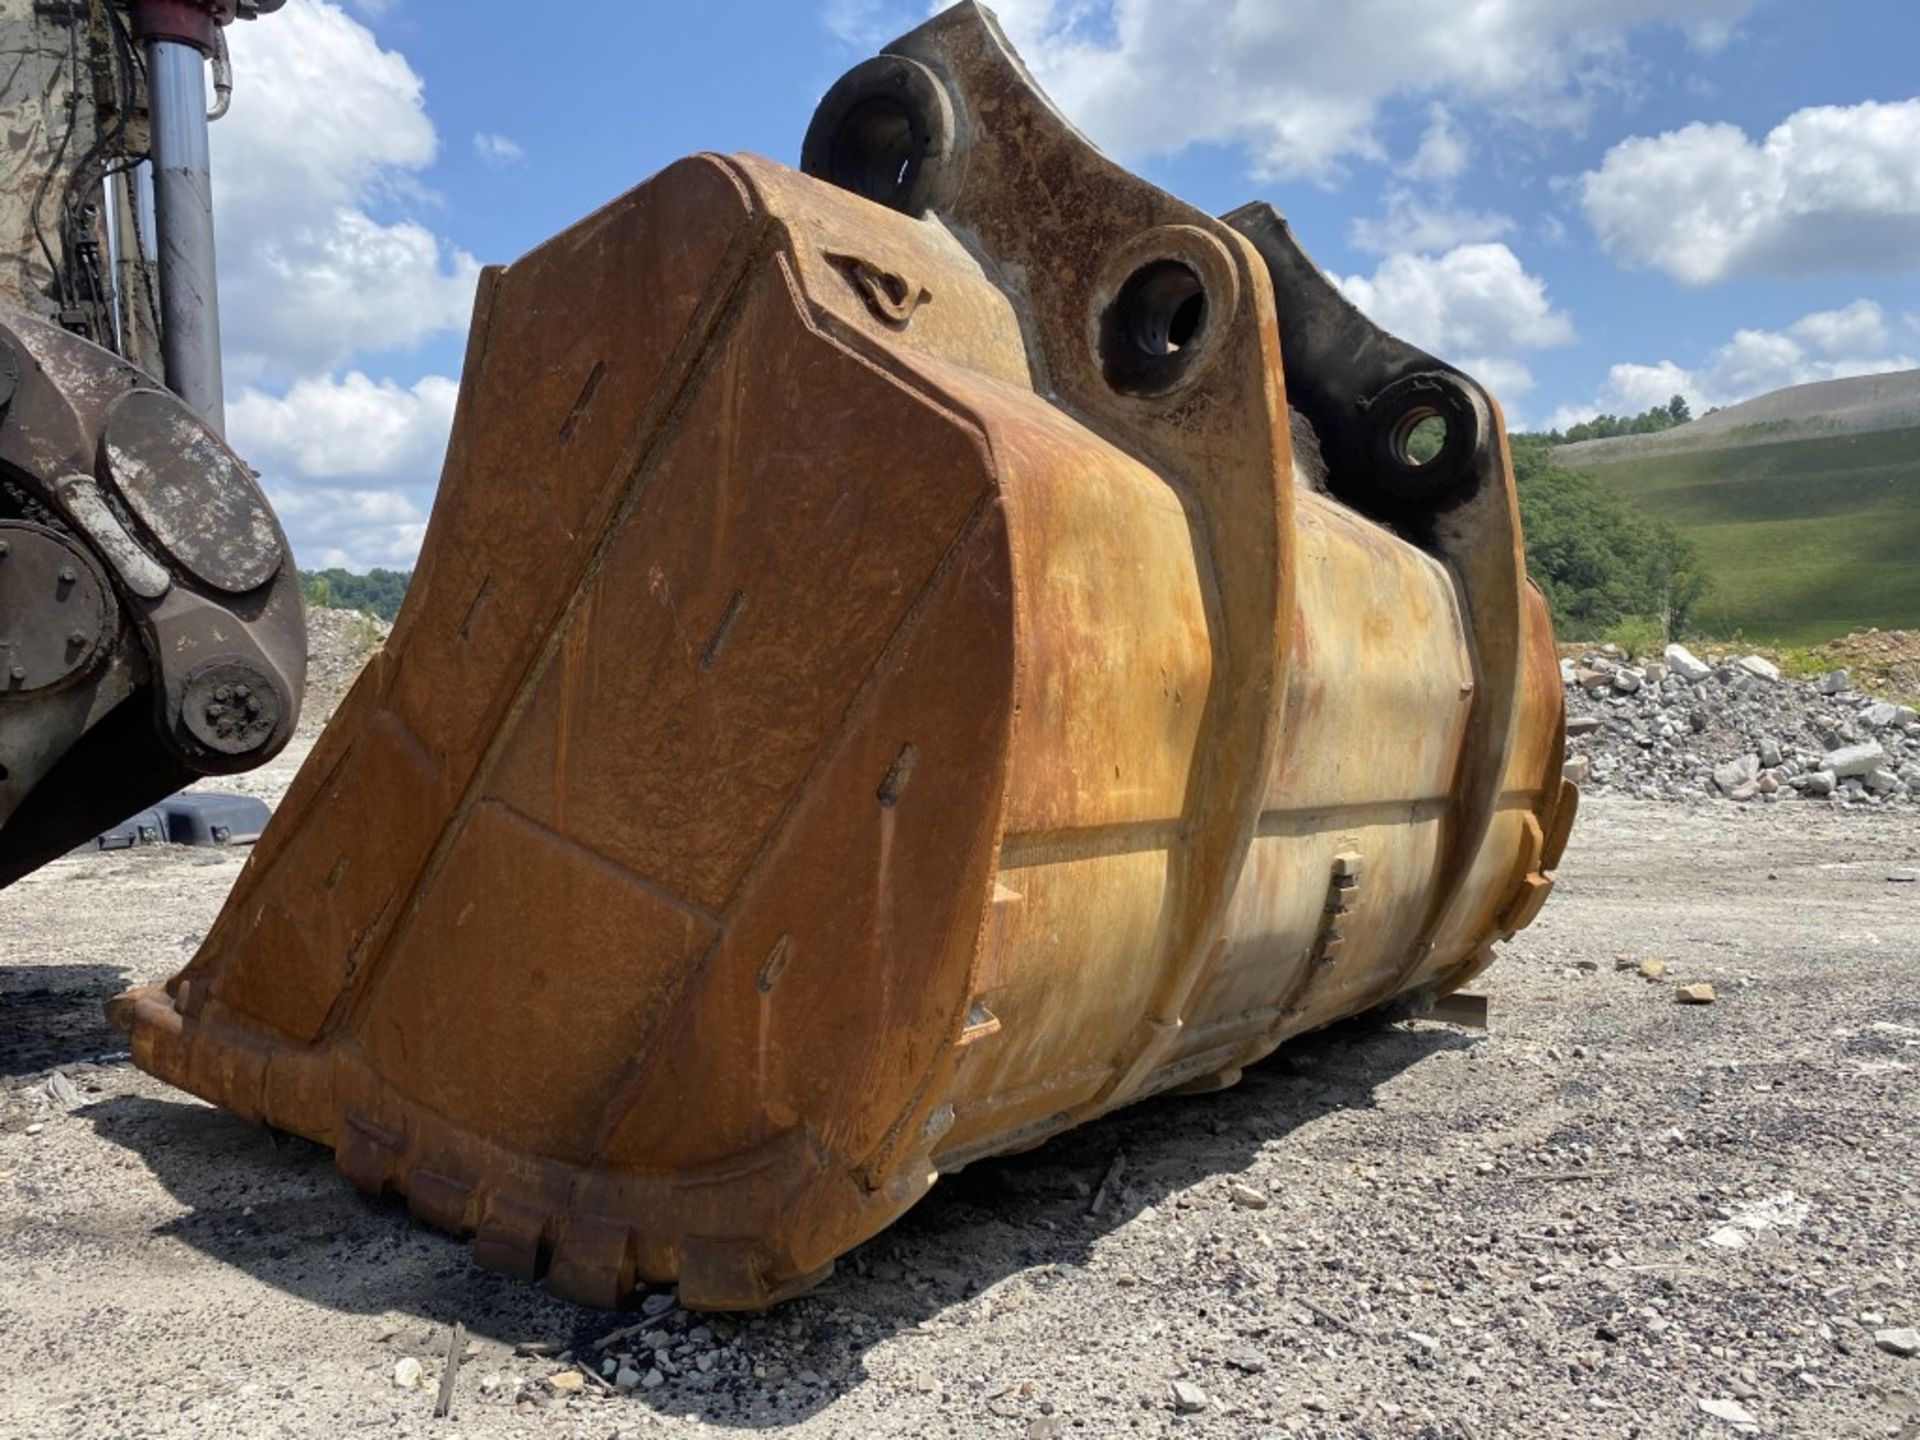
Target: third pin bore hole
point(1154, 329)
point(1163, 308)
point(876, 150)
point(1420, 437)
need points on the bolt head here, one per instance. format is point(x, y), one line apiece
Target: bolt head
point(19, 672)
point(68, 575)
point(230, 709)
point(77, 637)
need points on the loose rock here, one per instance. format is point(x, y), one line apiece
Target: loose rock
point(1734, 729)
point(1861, 759)
point(1734, 1413)
point(1188, 1398)
point(1683, 663)
point(1697, 994)
point(1903, 1341)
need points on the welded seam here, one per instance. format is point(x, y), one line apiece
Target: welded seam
point(570, 846)
point(1024, 850)
point(1294, 820)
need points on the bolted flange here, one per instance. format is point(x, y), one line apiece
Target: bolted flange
point(230, 707)
point(56, 610)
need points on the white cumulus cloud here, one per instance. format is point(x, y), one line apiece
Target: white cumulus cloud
point(1444, 152)
point(349, 429)
point(1829, 189)
point(1476, 306)
point(498, 151)
point(328, 261)
point(1825, 345)
point(350, 463)
point(327, 131)
point(1422, 226)
point(867, 24)
point(1303, 86)
point(352, 529)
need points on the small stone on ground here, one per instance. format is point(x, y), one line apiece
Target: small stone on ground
point(1903, 1341)
point(1188, 1398)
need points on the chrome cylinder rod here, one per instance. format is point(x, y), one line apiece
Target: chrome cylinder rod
point(183, 221)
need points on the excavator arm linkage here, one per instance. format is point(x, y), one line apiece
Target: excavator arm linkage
point(150, 624)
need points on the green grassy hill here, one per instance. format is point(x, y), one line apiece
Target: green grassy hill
point(1805, 538)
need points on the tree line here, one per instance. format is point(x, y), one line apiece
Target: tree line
point(1648, 422)
point(1603, 562)
point(378, 592)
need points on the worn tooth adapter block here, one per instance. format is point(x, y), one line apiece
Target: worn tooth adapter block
point(908, 657)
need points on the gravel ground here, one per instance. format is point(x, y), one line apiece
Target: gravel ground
point(1587, 1221)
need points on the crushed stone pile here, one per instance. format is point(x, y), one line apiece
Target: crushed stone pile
point(1734, 729)
point(339, 644)
point(1887, 660)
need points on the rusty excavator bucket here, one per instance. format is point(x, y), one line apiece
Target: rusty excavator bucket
point(908, 656)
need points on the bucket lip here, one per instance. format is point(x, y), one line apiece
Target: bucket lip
point(523, 1209)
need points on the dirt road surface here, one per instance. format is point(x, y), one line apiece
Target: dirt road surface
point(1611, 1215)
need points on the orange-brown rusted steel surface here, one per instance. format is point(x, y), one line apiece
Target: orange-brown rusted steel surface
point(898, 668)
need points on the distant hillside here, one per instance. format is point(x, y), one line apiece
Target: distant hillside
point(1862, 405)
point(1805, 505)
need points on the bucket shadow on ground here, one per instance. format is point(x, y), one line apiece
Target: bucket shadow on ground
point(276, 1208)
point(53, 1015)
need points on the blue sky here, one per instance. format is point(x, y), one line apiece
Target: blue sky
point(1588, 203)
